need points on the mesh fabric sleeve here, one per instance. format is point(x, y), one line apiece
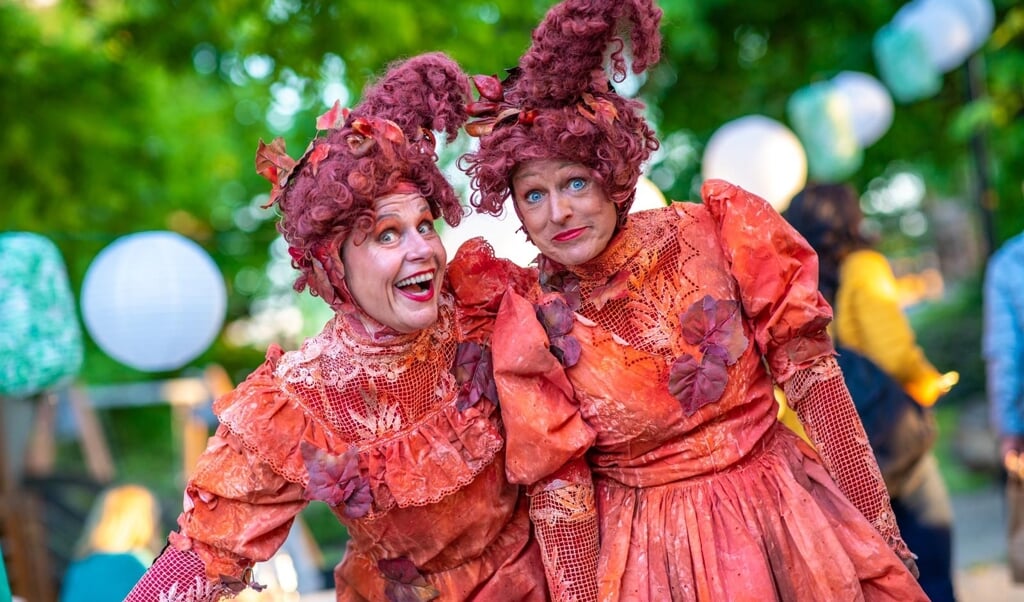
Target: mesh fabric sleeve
point(178, 576)
point(564, 516)
point(823, 403)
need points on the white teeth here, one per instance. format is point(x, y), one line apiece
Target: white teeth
point(415, 280)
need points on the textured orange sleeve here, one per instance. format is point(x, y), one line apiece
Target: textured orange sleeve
point(543, 426)
point(238, 511)
point(777, 273)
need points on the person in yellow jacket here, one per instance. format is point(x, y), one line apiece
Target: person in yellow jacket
point(868, 319)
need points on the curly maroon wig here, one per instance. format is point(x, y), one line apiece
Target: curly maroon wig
point(331, 190)
point(559, 104)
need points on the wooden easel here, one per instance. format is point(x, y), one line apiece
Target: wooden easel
point(22, 527)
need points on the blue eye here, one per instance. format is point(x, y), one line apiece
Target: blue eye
point(533, 196)
point(426, 227)
point(577, 184)
point(387, 236)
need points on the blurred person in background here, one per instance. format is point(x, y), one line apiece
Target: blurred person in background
point(859, 283)
point(121, 538)
point(1003, 349)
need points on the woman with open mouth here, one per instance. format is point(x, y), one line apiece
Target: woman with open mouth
point(388, 415)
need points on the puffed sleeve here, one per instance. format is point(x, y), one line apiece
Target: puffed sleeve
point(237, 511)
point(477, 279)
point(544, 428)
point(777, 274)
point(546, 439)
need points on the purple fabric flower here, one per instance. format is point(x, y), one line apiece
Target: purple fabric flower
point(716, 328)
point(404, 581)
point(557, 318)
point(474, 371)
point(336, 480)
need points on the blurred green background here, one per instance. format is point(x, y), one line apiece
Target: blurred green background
point(119, 117)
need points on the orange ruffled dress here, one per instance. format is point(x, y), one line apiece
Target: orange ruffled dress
point(411, 461)
point(708, 498)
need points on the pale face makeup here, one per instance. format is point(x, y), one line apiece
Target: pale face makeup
point(564, 209)
point(394, 274)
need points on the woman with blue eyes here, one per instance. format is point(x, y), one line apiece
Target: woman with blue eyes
point(637, 389)
point(389, 415)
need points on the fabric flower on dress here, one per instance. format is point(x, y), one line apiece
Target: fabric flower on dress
point(336, 480)
point(557, 318)
point(474, 371)
point(405, 583)
point(716, 328)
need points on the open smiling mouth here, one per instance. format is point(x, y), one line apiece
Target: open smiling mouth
point(419, 286)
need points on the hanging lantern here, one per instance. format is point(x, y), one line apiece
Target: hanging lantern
point(647, 196)
point(869, 103)
point(153, 300)
point(822, 120)
point(758, 154)
point(41, 346)
point(904, 64)
point(946, 33)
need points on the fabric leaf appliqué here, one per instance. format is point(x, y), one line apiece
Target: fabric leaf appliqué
point(336, 480)
point(712, 322)
point(716, 328)
point(474, 371)
point(557, 318)
point(404, 581)
point(615, 288)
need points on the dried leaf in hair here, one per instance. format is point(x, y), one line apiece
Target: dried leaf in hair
point(480, 128)
point(334, 118)
point(481, 107)
point(489, 87)
point(272, 161)
point(318, 154)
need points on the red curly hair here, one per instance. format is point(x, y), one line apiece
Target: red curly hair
point(330, 192)
point(559, 104)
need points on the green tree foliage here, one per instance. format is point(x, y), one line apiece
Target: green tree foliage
point(125, 116)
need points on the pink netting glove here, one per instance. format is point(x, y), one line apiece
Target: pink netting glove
point(565, 520)
point(178, 576)
point(823, 403)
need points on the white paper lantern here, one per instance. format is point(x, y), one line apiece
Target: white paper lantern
point(869, 103)
point(822, 120)
point(501, 232)
point(153, 300)
point(947, 35)
point(759, 154)
point(980, 16)
point(647, 196)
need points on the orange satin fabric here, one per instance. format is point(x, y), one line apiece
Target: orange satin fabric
point(722, 504)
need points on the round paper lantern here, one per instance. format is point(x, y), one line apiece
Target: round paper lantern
point(501, 232)
point(153, 300)
point(647, 196)
point(904, 64)
point(821, 119)
point(947, 35)
point(758, 154)
point(41, 342)
point(980, 16)
point(869, 102)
